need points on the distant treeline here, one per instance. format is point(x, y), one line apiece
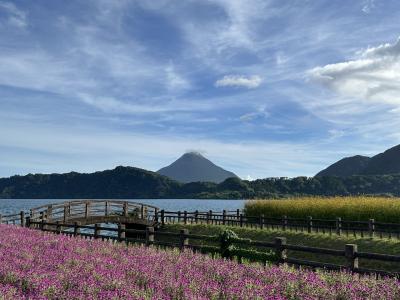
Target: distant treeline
point(134, 183)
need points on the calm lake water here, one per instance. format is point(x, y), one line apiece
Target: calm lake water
point(10, 206)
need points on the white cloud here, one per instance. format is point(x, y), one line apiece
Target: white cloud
point(281, 59)
point(373, 77)
point(113, 105)
point(249, 82)
point(175, 81)
point(261, 112)
point(215, 40)
point(368, 5)
point(336, 134)
point(249, 178)
point(16, 17)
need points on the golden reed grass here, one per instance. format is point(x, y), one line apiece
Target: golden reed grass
point(348, 208)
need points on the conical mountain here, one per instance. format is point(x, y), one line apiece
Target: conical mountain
point(194, 167)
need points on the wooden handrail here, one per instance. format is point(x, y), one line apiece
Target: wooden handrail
point(108, 208)
point(279, 245)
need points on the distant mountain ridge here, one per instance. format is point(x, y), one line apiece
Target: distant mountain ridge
point(194, 167)
point(347, 166)
point(118, 183)
point(135, 183)
point(121, 182)
point(384, 163)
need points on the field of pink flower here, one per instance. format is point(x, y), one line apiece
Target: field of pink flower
point(35, 265)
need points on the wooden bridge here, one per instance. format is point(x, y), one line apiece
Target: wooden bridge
point(86, 212)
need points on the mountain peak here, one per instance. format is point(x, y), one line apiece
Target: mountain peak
point(347, 166)
point(192, 154)
point(384, 163)
point(193, 167)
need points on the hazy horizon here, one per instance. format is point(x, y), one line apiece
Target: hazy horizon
point(261, 88)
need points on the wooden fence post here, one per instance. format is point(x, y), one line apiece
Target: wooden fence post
point(261, 221)
point(224, 217)
point(141, 210)
point(125, 209)
point(87, 209)
point(183, 239)
point(309, 224)
point(96, 231)
point(241, 220)
point(149, 236)
point(350, 251)
point(65, 213)
point(1, 219)
point(185, 217)
point(49, 211)
point(280, 251)
point(107, 208)
point(58, 227)
point(121, 233)
point(77, 230)
point(208, 217)
point(237, 214)
point(28, 222)
point(156, 215)
point(42, 224)
point(339, 226)
point(196, 216)
point(211, 216)
point(284, 223)
point(371, 228)
point(179, 216)
point(162, 217)
point(22, 216)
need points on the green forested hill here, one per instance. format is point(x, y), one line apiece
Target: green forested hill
point(134, 183)
point(384, 163)
point(121, 182)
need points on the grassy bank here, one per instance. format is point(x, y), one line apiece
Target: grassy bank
point(348, 208)
point(384, 246)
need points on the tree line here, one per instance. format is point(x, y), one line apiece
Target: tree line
point(134, 183)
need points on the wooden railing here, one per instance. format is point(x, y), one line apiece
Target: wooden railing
point(338, 226)
point(84, 209)
point(15, 219)
point(280, 247)
point(90, 208)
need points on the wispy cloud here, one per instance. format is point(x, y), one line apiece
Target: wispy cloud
point(144, 73)
point(261, 112)
point(368, 5)
point(175, 81)
point(249, 82)
point(15, 16)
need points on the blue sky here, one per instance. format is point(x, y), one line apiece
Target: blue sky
point(262, 88)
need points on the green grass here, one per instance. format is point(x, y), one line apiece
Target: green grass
point(384, 246)
point(348, 208)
